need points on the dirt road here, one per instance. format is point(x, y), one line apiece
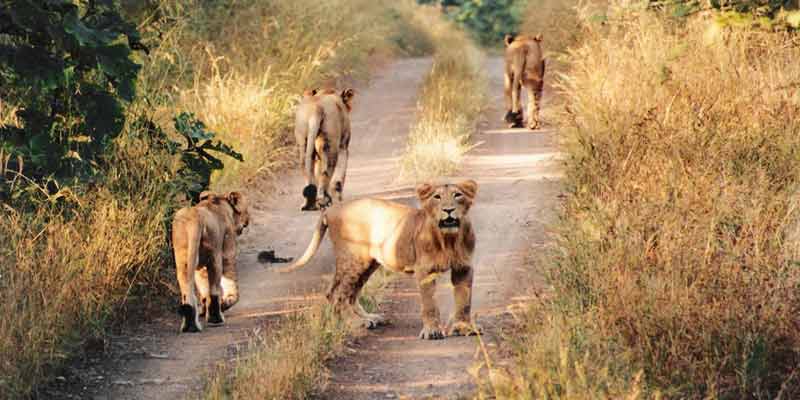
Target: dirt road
point(518, 186)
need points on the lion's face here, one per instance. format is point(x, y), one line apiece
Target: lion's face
point(448, 204)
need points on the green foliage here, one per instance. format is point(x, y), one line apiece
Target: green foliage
point(488, 21)
point(768, 14)
point(198, 164)
point(70, 67)
point(197, 161)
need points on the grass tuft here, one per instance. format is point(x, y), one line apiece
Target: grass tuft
point(288, 362)
point(452, 97)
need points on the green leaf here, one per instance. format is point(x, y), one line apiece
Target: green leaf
point(85, 35)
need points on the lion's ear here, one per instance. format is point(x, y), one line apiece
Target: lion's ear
point(205, 194)
point(236, 199)
point(424, 191)
point(469, 187)
point(508, 39)
point(310, 92)
point(538, 37)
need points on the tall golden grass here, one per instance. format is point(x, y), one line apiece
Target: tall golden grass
point(64, 273)
point(676, 272)
point(450, 103)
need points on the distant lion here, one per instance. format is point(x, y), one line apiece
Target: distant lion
point(322, 133)
point(204, 242)
point(425, 242)
point(524, 67)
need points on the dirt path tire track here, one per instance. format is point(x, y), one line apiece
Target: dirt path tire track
point(518, 175)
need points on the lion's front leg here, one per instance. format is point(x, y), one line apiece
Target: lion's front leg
point(431, 329)
point(462, 292)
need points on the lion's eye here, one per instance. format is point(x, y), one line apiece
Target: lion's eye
point(437, 197)
point(456, 195)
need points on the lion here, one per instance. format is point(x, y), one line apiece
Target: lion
point(426, 242)
point(525, 66)
point(204, 242)
point(322, 132)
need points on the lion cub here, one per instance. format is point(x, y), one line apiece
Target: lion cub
point(204, 241)
point(425, 242)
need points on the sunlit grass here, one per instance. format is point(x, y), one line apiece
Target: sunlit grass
point(675, 273)
point(450, 102)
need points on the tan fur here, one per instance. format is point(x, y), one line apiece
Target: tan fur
point(525, 66)
point(368, 233)
point(204, 242)
point(322, 133)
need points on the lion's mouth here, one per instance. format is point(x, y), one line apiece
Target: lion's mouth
point(449, 222)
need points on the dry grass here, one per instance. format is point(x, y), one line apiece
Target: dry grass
point(294, 352)
point(556, 20)
point(65, 268)
point(243, 67)
point(676, 274)
point(451, 100)
point(288, 363)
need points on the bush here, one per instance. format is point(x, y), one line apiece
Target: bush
point(69, 71)
point(487, 21)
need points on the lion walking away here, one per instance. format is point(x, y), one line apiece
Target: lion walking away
point(204, 242)
point(426, 242)
point(525, 67)
point(322, 132)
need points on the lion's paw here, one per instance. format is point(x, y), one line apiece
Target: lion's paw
point(431, 333)
point(190, 322)
point(463, 328)
point(376, 320)
point(215, 317)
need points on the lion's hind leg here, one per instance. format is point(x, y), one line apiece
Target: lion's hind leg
point(534, 89)
point(348, 280)
point(203, 290)
point(215, 317)
point(324, 170)
point(185, 242)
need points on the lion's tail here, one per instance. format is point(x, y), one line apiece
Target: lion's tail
point(316, 239)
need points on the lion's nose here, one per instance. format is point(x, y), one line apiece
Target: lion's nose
point(448, 210)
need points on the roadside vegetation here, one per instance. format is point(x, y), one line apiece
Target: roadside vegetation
point(451, 100)
point(135, 108)
point(675, 273)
